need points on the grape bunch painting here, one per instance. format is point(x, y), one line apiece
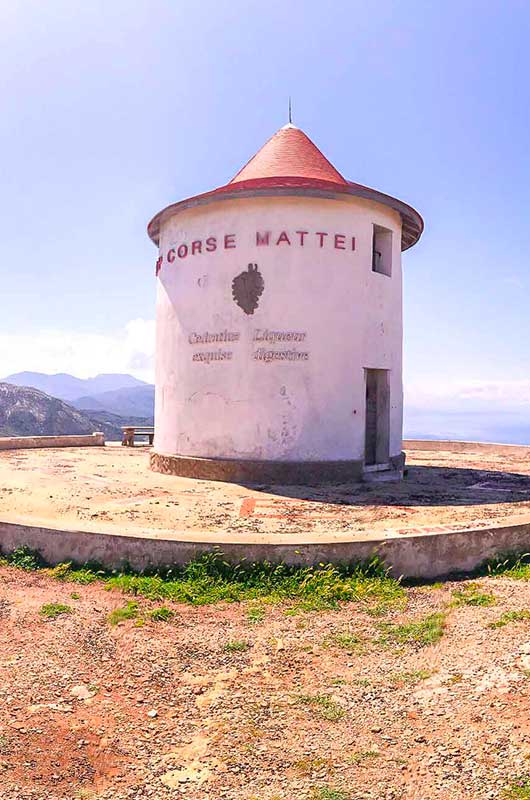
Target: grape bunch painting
point(247, 288)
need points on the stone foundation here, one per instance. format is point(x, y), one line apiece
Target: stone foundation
point(270, 472)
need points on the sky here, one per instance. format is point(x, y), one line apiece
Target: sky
point(112, 110)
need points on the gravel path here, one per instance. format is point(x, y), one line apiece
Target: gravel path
point(211, 704)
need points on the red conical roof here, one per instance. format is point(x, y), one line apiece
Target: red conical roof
point(289, 154)
point(289, 163)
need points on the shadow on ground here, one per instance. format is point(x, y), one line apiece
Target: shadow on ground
point(421, 486)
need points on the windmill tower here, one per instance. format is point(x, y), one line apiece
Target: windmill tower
point(279, 324)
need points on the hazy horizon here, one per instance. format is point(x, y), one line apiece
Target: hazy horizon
point(460, 423)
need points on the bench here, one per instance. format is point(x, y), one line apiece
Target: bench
point(130, 431)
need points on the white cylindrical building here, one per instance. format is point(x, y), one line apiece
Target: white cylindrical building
point(279, 324)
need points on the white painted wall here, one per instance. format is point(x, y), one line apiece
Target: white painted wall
point(352, 317)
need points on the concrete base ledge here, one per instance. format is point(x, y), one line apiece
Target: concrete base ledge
point(32, 442)
point(297, 473)
point(419, 556)
point(492, 448)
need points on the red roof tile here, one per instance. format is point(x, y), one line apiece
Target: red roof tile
point(290, 163)
point(289, 153)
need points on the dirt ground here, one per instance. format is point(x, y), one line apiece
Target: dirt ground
point(311, 705)
point(112, 489)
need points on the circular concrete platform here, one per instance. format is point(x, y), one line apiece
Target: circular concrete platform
point(459, 504)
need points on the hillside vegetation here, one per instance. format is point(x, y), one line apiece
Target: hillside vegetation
point(30, 412)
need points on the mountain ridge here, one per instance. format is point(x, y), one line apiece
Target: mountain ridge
point(68, 387)
point(25, 411)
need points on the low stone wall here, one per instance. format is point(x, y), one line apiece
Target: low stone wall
point(452, 446)
point(424, 556)
point(96, 439)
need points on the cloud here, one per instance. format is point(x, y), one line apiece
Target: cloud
point(129, 349)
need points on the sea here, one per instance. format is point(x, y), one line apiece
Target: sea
point(476, 426)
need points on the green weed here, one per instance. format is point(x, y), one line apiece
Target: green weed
point(255, 614)
point(162, 614)
point(54, 610)
point(512, 565)
point(25, 558)
point(518, 790)
point(345, 641)
point(364, 682)
point(471, 595)
point(66, 572)
point(211, 579)
point(363, 755)
point(410, 678)
point(422, 632)
point(308, 765)
point(324, 705)
point(237, 646)
point(508, 617)
point(325, 793)
point(129, 611)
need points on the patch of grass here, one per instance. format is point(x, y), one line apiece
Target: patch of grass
point(510, 616)
point(381, 609)
point(326, 793)
point(75, 595)
point(67, 572)
point(518, 790)
point(310, 605)
point(25, 558)
point(54, 610)
point(422, 632)
point(510, 565)
point(273, 797)
point(306, 766)
point(211, 579)
point(255, 614)
point(410, 678)
point(363, 755)
point(345, 641)
point(471, 595)
point(236, 646)
point(364, 682)
point(128, 611)
point(162, 614)
point(324, 705)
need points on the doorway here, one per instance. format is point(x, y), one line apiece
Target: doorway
point(377, 418)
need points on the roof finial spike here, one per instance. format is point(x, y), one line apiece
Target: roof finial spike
point(290, 112)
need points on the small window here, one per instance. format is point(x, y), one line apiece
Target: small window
point(382, 250)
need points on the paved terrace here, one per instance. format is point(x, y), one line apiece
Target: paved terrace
point(112, 490)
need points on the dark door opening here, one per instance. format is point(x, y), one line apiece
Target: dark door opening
point(377, 417)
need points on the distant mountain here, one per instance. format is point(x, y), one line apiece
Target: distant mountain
point(67, 387)
point(29, 412)
point(137, 401)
